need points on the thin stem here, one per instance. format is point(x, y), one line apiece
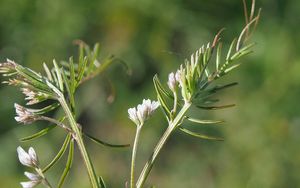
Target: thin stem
point(172, 126)
point(133, 157)
point(79, 140)
point(175, 103)
point(45, 181)
point(58, 123)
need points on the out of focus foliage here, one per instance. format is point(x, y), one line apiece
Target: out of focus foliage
point(261, 133)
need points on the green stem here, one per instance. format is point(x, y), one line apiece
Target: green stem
point(134, 151)
point(172, 126)
point(44, 181)
point(79, 140)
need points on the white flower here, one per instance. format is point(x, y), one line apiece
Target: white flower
point(8, 66)
point(172, 81)
point(180, 76)
point(27, 159)
point(29, 184)
point(35, 179)
point(133, 115)
point(143, 111)
point(32, 176)
point(24, 115)
point(31, 96)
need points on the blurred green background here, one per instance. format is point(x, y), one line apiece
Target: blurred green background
point(261, 147)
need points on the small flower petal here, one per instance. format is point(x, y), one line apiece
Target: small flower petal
point(33, 155)
point(32, 176)
point(29, 184)
point(24, 115)
point(24, 157)
point(172, 81)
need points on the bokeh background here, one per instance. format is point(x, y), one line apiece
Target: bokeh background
point(261, 147)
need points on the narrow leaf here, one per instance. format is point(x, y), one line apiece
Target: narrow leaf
point(59, 76)
point(82, 69)
point(45, 109)
point(101, 182)
point(38, 134)
point(68, 164)
point(73, 81)
point(200, 121)
point(216, 107)
point(59, 154)
point(93, 58)
point(160, 97)
point(230, 49)
point(218, 56)
point(97, 141)
point(67, 84)
point(48, 72)
point(201, 136)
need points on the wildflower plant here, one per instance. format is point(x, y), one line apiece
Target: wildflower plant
point(192, 84)
point(53, 90)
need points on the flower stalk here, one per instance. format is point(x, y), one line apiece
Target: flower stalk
point(79, 141)
point(133, 156)
point(172, 126)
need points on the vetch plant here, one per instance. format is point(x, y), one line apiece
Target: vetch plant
point(56, 89)
point(192, 84)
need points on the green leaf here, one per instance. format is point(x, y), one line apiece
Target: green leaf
point(93, 58)
point(160, 97)
point(233, 43)
point(216, 107)
point(81, 69)
point(38, 134)
point(33, 78)
point(68, 85)
point(201, 136)
point(45, 109)
point(101, 182)
point(48, 72)
point(218, 56)
point(59, 76)
point(201, 121)
point(59, 154)
point(73, 81)
point(231, 68)
point(68, 165)
point(97, 141)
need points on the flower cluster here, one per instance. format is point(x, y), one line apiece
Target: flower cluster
point(24, 115)
point(29, 159)
point(143, 111)
point(35, 179)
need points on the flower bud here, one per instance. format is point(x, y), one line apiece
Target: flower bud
point(27, 159)
point(172, 81)
point(24, 115)
point(143, 111)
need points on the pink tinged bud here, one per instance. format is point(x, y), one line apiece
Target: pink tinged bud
point(24, 115)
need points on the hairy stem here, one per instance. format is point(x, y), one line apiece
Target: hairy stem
point(81, 146)
point(133, 157)
point(172, 126)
